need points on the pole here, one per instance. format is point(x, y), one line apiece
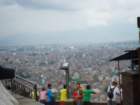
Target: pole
point(119, 72)
point(139, 35)
point(120, 82)
point(67, 80)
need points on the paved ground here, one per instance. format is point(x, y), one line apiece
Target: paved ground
point(26, 101)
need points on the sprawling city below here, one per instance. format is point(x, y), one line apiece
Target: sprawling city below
point(88, 63)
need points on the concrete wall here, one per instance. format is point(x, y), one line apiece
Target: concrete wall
point(71, 103)
point(5, 97)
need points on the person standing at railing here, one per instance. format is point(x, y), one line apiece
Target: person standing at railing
point(35, 93)
point(87, 94)
point(50, 96)
point(77, 95)
point(63, 95)
point(113, 93)
point(42, 96)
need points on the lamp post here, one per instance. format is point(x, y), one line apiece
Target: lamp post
point(65, 67)
point(138, 25)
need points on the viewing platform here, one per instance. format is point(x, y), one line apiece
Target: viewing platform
point(26, 101)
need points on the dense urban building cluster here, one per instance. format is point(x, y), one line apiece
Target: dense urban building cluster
point(88, 63)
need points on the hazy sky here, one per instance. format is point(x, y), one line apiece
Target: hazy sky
point(68, 21)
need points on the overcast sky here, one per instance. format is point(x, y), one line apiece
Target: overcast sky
point(68, 21)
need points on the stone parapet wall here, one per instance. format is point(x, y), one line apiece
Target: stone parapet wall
point(5, 97)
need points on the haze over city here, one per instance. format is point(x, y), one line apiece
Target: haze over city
point(69, 52)
point(29, 22)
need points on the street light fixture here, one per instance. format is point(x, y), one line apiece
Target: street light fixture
point(65, 67)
